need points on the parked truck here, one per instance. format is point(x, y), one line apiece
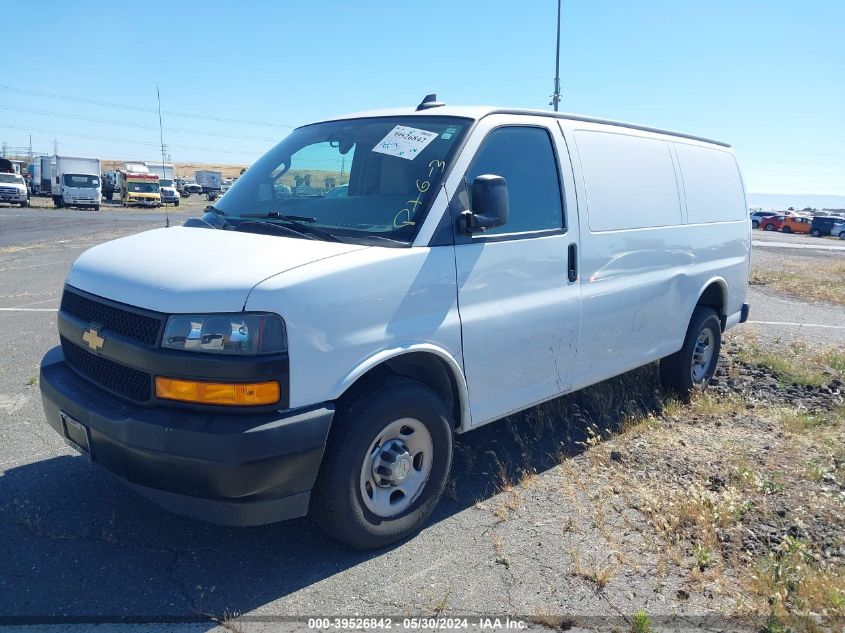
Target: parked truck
point(47, 162)
point(76, 182)
point(167, 186)
point(209, 180)
point(139, 188)
point(12, 185)
point(35, 172)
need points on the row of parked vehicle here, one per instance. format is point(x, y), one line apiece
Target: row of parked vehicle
point(818, 225)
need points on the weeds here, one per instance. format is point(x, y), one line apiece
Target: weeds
point(796, 364)
point(640, 623)
point(805, 280)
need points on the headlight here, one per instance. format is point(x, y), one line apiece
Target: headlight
point(237, 333)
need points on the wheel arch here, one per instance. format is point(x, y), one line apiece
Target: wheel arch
point(429, 364)
point(714, 294)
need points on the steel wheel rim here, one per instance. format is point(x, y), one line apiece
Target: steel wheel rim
point(702, 355)
point(389, 495)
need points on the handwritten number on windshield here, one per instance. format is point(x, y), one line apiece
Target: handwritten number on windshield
point(403, 218)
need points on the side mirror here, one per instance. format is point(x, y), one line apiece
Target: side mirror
point(490, 204)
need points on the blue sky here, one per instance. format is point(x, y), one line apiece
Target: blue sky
point(767, 76)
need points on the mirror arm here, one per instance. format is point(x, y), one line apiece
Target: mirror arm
point(475, 222)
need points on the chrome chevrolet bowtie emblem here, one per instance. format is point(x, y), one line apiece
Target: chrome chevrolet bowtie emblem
point(93, 339)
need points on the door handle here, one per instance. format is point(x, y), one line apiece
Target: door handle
point(572, 263)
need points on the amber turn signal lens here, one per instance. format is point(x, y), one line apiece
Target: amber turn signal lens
point(243, 394)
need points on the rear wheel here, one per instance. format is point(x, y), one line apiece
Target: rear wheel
point(769, 227)
point(786, 229)
point(817, 233)
point(692, 367)
point(386, 464)
point(755, 224)
point(842, 235)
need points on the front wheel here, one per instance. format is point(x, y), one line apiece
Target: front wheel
point(817, 233)
point(755, 224)
point(769, 227)
point(386, 464)
point(692, 367)
point(842, 235)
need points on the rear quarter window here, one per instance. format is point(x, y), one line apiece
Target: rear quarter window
point(629, 181)
point(712, 184)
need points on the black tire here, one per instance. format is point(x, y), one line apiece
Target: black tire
point(769, 227)
point(96, 207)
point(176, 203)
point(842, 235)
point(786, 229)
point(755, 224)
point(337, 503)
point(817, 233)
point(676, 371)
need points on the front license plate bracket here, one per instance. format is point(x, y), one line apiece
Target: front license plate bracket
point(77, 435)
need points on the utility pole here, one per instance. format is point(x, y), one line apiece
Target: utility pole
point(163, 150)
point(556, 95)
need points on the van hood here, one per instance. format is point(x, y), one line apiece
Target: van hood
point(192, 269)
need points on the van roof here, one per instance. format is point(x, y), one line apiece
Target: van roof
point(478, 112)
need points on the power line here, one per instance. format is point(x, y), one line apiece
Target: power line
point(123, 140)
point(79, 117)
point(123, 106)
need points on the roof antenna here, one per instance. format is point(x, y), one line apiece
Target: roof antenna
point(161, 136)
point(556, 94)
point(430, 101)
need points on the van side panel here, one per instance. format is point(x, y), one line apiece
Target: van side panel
point(712, 184)
point(631, 181)
point(643, 267)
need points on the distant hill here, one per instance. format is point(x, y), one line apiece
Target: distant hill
point(798, 200)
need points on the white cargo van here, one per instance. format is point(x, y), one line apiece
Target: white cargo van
point(299, 352)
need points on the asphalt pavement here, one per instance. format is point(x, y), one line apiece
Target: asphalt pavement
point(78, 546)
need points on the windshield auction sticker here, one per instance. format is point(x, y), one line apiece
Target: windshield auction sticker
point(404, 142)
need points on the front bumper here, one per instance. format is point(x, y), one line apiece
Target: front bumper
point(238, 468)
point(13, 197)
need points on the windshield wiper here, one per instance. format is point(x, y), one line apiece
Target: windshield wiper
point(275, 215)
point(297, 222)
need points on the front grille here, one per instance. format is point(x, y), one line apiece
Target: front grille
point(143, 328)
point(124, 381)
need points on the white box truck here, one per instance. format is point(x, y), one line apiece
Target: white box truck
point(76, 182)
point(291, 353)
point(209, 180)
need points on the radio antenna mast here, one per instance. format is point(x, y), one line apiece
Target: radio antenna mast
point(556, 94)
point(161, 137)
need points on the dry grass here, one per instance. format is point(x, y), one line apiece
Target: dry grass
point(797, 363)
point(710, 475)
point(818, 280)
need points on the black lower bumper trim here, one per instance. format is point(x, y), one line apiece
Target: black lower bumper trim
point(234, 468)
point(233, 513)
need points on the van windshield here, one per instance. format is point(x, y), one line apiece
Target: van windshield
point(359, 180)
